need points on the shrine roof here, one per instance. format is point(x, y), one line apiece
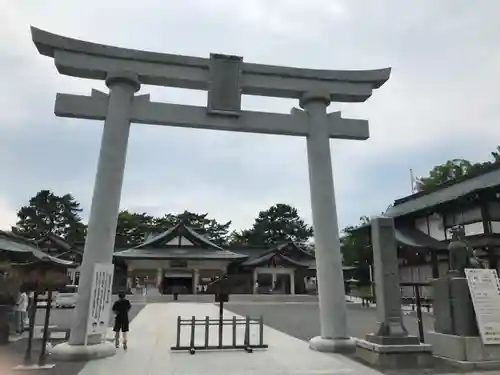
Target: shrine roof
point(178, 253)
point(410, 237)
point(23, 250)
point(180, 241)
point(417, 239)
point(289, 252)
point(446, 192)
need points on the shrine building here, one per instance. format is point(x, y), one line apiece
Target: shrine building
point(423, 221)
point(182, 259)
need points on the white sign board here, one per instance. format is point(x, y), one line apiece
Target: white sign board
point(484, 289)
point(100, 299)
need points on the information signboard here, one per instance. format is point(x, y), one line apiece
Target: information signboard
point(484, 289)
point(100, 299)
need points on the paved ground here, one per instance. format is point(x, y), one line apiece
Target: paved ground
point(148, 351)
point(302, 320)
point(13, 354)
point(299, 319)
point(63, 317)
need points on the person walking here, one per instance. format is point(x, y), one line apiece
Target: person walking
point(121, 309)
point(21, 311)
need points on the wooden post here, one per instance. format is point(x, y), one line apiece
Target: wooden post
point(32, 317)
point(43, 352)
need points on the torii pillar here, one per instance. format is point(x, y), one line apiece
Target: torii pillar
point(332, 305)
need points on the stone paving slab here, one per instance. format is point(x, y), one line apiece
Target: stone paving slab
point(153, 332)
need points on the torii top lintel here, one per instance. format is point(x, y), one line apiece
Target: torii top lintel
point(94, 61)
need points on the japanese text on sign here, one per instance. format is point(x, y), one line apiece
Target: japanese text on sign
point(100, 299)
point(484, 289)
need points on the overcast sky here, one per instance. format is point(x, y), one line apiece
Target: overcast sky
point(441, 102)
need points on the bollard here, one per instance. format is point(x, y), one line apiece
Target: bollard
point(178, 342)
point(234, 331)
point(207, 330)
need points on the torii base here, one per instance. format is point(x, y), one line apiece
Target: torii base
point(326, 345)
point(66, 352)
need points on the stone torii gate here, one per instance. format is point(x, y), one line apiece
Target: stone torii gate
point(225, 78)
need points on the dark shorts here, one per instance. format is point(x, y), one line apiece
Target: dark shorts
point(121, 325)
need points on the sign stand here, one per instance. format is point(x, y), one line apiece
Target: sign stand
point(100, 300)
point(484, 287)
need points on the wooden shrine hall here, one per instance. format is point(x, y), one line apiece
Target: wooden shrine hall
point(182, 260)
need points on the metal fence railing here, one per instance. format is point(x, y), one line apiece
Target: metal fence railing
point(206, 323)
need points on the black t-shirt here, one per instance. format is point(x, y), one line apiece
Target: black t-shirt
point(121, 308)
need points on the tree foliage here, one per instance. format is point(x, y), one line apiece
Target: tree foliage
point(279, 223)
point(453, 170)
point(48, 213)
point(132, 228)
point(355, 245)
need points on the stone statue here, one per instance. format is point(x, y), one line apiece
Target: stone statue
point(461, 256)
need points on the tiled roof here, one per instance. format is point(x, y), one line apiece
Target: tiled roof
point(445, 193)
point(304, 259)
point(178, 253)
point(154, 247)
point(172, 232)
point(27, 250)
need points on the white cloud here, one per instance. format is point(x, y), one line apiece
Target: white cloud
point(7, 214)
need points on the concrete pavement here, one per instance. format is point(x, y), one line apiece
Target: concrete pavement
point(297, 319)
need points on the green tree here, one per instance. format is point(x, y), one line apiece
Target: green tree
point(209, 227)
point(453, 170)
point(47, 213)
point(132, 228)
point(440, 174)
point(279, 223)
point(355, 244)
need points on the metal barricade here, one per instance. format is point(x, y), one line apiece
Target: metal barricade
point(234, 322)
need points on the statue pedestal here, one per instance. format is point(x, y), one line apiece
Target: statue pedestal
point(465, 352)
point(390, 347)
point(395, 356)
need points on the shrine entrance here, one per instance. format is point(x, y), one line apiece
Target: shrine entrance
point(177, 283)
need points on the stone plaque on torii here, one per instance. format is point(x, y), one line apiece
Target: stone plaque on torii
point(225, 78)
